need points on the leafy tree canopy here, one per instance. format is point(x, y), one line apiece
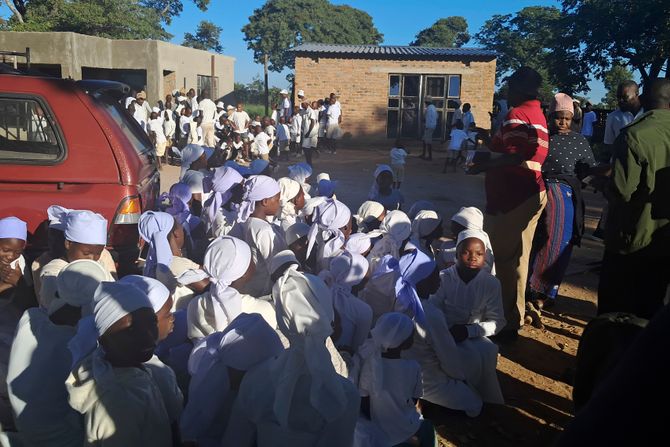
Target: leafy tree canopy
point(445, 33)
point(534, 37)
point(207, 37)
point(280, 25)
point(635, 32)
point(612, 78)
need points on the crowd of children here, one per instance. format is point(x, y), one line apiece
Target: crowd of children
point(262, 312)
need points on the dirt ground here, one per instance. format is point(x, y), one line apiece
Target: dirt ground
point(535, 372)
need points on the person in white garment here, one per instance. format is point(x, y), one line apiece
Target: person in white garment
point(208, 112)
point(395, 231)
point(359, 243)
point(217, 366)
point(370, 216)
point(155, 129)
point(467, 118)
point(240, 121)
point(169, 129)
point(219, 212)
point(285, 110)
point(291, 201)
point(467, 218)
point(229, 265)
point(390, 386)
point(353, 316)
point(310, 130)
point(426, 228)
point(471, 300)
point(629, 108)
point(333, 121)
point(13, 237)
point(301, 172)
point(85, 238)
point(331, 227)
point(117, 396)
point(40, 355)
point(296, 399)
point(260, 203)
point(295, 130)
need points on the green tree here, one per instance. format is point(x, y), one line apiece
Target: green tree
point(167, 9)
point(612, 78)
point(533, 37)
point(207, 37)
point(445, 33)
point(635, 32)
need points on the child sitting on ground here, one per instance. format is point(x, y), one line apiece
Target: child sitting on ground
point(398, 154)
point(467, 218)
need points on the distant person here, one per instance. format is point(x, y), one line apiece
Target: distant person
point(456, 143)
point(588, 120)
point(430, 125)
point(382, 190)
point(629, 108)
point(398, 155)
point(577, 119)
point(208, 112)
point(310, 129)
point(458, 113)
point(634, 276)
point(468, 118)
point(285, 110)
point(334, 115)
point(240, 121)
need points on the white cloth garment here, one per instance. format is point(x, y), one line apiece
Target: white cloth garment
point(456, 139)
point(345, 272)
point(156, 126)
point(296, 231)
point(472, 219)
point(310, 205)
point(296, 399)
point(398, 156)
point(189, 154)
point(49, 281)
point(289, 190)
point(395, 229)
point(431, 117)
point(166, 382)
point(157, 293)
point(374, 187)
point(358, 243)
point(85, 227)
point(256, 188)
point(261, 139)
point(326, 233)
point(76, 283)
point(207, 111)
point(369, 212)
point(219, 185)
point(246, 342)
point(240, 121)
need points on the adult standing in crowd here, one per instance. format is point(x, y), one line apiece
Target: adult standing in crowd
point(208, 111)
point(588, 120)
point(628, 100)
point(431, 123)
point(515, 192)
point(334, 114)
point(286, 110)
point(634, 276)
point(240, 120)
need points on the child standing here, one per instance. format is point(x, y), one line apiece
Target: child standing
point(283, 135)
point(295, 129)
point(458, 137)
point(398, 154)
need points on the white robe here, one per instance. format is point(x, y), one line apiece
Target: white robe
point(182, 295)
point(355, 321)
point(166, 381)
point(39, 363)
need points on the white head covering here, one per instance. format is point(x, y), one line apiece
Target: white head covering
point(194, 181)
point(395, 229)
point(115, 300)
point(156, 110)
point(86, 227)
point(301, 93)
point(288, 190)
point(295, 232)
point(368, 211)
point(476, 234)
point(413, 267)
point(300, 172)
point(57, 217)
point(425, 222)
point(226, 260)
point(322, 176)
point(304, 315)
point(155, 227)
point(420, 205)
point(358, 243)
point(220, 105)
point(13, 228)
point(390, 331)
point(311, 205)
point(220, 185)
point(157, 293)
point(247, 341)
point(283, 92)
point(470, 217)
point(257, 187)
point(188, 155)
point(374, 188)
point(328, 218)
point(77, 283)
point(281, 258)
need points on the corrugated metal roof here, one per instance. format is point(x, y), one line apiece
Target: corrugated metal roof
point(392, 50)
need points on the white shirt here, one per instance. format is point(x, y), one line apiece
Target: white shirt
point(169, 127)
point(312, 117)
point(265, 241)
point(184, 125)
point(431, 117)
point(208, 111)
point(334, 111)
point(457, 137)
point(240, 119)
point(194, 104)
point(467, 120)
point(285, 108)
point(616, 121)
point(156, 126)
point(296, 125)
point(587, 123)
point(398, 155)
point(261, 141)
point(477, 304)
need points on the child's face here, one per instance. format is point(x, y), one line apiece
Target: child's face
point(75, 251)
point(385, 180)
point(299, 200)
point(470, 254)
point(271, 205)
point(11, 249)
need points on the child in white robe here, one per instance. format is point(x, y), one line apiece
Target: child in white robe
point(331, 227)
point(370, 216)
point(471, 300)
point(291, 201)
point(301, 172)
point(296, 399)
point(426, 228)
point(13, 236)
point(40, 362)
point(467, 218)
point(219, 212)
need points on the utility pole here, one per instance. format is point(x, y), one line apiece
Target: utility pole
point(267, 92)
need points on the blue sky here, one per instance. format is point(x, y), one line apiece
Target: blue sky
point(398, 20)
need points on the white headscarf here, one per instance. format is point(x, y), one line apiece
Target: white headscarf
point(425, 222)
point(358, 243)
point(311, 205)
point(470, 217)
point(395, 229)
point(282, 258)
point(345, 272)
point(13, 228)
point(77, 283)
point(374, 188)
point(295, 232)
point(155, 227)
point(157, 293)
point(257, 187)
point(247, 341)
point(300, 172)
point(220, 185)
point(85, 227)
point(368, 211)
point(476, 234)
point(390, 331)
point(113, 301)
point(188, 155)
point(289, 190)
point(420, 205)
point(328, 218)
point(304, 315)
point(226, 260)
point(57, 217)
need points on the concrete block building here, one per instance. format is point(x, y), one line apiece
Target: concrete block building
point(382, 88)
point(154, 66)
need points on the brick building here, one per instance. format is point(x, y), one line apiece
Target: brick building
point(382, 88)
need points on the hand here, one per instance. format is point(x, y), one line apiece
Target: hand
point(459, 332)
point(10, 275)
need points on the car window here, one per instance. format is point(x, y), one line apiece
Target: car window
point(127, 124)
point(28, 133)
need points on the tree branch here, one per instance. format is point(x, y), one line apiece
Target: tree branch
point(15, 11)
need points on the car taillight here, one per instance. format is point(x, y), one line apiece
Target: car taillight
point(129, 211)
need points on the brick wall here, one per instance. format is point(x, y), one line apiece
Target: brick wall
point(363, 87)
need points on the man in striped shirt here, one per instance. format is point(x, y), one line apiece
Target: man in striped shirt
point(515, 194)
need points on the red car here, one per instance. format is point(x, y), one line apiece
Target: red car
point(73, 144)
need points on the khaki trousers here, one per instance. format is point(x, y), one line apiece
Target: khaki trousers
point(511, 237)
point(208, 134)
